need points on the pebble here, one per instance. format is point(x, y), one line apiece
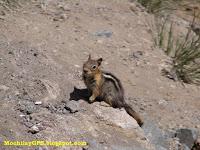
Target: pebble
point(34, 129)
point(77, 66)
point(4, 88)
point(38, 103)
point(66, 8)
point(99, 41)
point(104, 33)
point(162, 102)
point(22, 115)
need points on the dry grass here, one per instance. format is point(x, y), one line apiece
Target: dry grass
point(158, 6)
point(9, 4)
point(185, 52)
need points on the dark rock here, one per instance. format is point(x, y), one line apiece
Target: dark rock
point(155, 135)
point(104, 33)
point(187, 136)
point(137, 54)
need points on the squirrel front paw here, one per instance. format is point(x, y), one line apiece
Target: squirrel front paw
point(91, 99)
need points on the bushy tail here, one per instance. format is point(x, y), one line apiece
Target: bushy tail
point(134, 114)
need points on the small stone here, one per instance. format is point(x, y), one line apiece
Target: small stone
point(137, 54)
point(106, 63)
point(100, 41)
point(28, 124)
point(4, 88)
point(197, 126)
point(104, 104)
point(38, 103)
point(34, 129)
point(63, 16)
point(22, 115)
point(162, 102)
point(104, 33)
point(56, 19)
point(66, 8)
point(2, 18)
point(133, 7)
point(77, 66)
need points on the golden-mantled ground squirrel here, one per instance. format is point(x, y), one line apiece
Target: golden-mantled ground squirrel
point(105, 86)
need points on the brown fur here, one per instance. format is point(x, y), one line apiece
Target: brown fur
point(106, 87)
point(196, 145)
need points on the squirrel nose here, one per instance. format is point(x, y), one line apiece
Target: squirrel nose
point(85, 70)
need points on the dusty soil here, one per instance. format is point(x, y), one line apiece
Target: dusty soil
point(43, 45)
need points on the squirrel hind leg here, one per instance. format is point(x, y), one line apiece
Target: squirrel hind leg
point(109, 100)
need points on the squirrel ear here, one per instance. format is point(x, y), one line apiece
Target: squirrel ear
point(99, 61)
point(89, 57)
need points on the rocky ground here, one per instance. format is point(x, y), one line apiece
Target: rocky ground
point(43, 44)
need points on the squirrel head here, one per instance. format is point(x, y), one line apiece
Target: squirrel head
point(92, 66)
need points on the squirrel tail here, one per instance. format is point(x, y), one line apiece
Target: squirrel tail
point(134, 114)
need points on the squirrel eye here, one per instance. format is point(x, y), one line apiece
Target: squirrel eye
point(94, 67)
